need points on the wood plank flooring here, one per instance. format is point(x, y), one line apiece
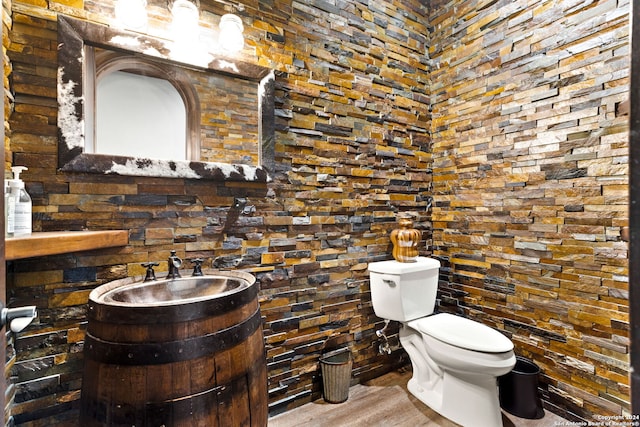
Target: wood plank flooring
point(385, 402)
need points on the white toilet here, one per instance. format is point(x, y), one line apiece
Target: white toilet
point(456, 361)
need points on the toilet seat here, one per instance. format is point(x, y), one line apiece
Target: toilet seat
point(463, 333)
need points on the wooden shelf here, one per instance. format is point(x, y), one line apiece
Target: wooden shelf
point(59, 242)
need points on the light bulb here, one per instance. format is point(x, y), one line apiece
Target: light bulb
point(185, 19)
point(231, 28)
point(185, 27)
point(132, 14)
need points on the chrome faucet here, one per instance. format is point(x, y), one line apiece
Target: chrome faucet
point(174, 266)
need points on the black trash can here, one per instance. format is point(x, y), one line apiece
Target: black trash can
point(519, 390)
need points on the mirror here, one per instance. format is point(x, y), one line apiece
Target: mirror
point(85, 50)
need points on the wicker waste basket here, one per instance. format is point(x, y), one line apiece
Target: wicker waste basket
point(336, 375)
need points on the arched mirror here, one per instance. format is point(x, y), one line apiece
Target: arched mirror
point(149, 100)
point(143, 109)
point(219, 119)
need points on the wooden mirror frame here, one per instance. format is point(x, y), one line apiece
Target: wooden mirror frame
point(73, 34)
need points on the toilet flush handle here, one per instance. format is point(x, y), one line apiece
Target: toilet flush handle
point(389, 281)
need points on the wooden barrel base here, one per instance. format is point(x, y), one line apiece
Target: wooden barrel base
point(234, 401)
point(206, 369)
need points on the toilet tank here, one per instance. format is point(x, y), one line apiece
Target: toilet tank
point(404, 291)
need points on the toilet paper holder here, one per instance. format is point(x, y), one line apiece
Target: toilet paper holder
point(18, 318)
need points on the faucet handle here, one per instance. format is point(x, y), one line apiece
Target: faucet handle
point(197, 266)
point(151, 275)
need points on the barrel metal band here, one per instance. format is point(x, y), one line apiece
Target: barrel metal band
point(163, 413)
point(170, 351)
point(168, 314)
point(168, 412)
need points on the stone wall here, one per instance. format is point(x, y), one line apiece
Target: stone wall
point(530, 116)
point(352, 150)
point(527, 143)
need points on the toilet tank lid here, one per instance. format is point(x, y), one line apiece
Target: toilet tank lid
point(462, 332)
point(395, 267)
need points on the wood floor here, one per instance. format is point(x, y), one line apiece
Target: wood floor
point(385, 402)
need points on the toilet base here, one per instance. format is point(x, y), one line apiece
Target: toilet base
point(469, 400)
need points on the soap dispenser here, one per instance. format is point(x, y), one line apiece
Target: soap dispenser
point(22, 219)
point(9, 210)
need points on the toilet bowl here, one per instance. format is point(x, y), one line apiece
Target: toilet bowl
point(456, 361)
point(464, 368)
point(463, 345)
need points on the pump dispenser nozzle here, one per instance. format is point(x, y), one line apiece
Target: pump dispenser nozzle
point(17, 170)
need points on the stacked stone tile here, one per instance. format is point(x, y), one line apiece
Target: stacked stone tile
point(352, 149)
point(511, 115)
point(530, 184)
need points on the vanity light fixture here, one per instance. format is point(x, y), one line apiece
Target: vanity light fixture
point(132, 14)
point(185, 28)
point(185, 25)
point(231, 28)
point(185, 21)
